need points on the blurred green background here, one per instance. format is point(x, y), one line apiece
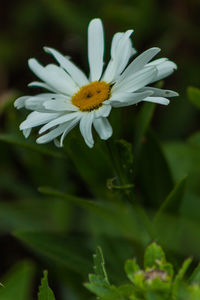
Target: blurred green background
point(27, 26)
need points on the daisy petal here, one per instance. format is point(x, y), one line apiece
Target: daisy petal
point(41, 85)
point(95, 48)
point(165, 68)
point(160, 93)
point(20, 102)
point(60, 105)
point(26, 132)
point(37, 118)
point(68, 128)
point(127, 99)
point(136, 81)
point(121, 51)
point(103, 128)
point(160, 100)
point(59, 120)
point(77, 75)
point(54, 76)
point(103, 111)
point(48, 137)
point(86, 128)
point(139, 62)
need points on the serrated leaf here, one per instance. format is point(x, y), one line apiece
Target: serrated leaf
point(17, 283)
point(173, 202)
point(98, 282)
point(194, 96)
point(45, 292)
point(131, 267)
point(98, 285)
point(153, 254)
point(99, 264)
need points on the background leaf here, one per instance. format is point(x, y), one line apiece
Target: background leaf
point(18, 282)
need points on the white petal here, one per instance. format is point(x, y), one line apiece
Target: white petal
point(127, 99)
point(59, 120)
point(26, 132)
point(36, 102)
point(95, 48)
point(164, 67)
point(60, 105)
point(139, 63)
point(86, 128)
point(103, 111)
point(54, 76)
point(136, 81)
point(41, 85)
point(103, 128)
point(68, 128)
point(48, 137)
point(159, 100)
point(121, 51)
point(37, 118)
point(77, 75)
point(160, 92)
point(20, 102)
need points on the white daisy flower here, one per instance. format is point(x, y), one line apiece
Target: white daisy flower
point(74, 98)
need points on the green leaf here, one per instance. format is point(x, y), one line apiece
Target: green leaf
point(120, 153)
point(63, 251)
point(83, 157)
point(173, 202)
point(194, 139)
point(183, 270)
point(195, 277)
point(45, 292)
point(125, 158)
point(99, 264)
point(73, 199)
point(115, 214)
point(98, 285)
point(131, 267)
point(194, 292)
point(179, 277)
point(153, 254)
point(98, 282)
point(194, 96)
point(28, 144)
point(151, 295)
point(154, 174)
point(17, 283)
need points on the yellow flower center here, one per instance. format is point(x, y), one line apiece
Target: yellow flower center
point(91, 96)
